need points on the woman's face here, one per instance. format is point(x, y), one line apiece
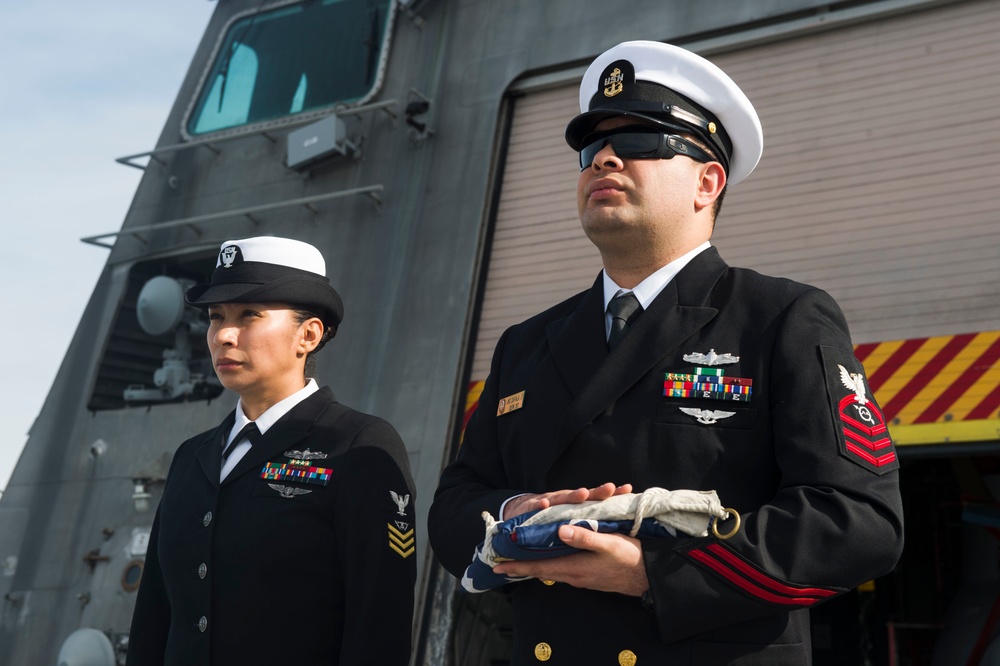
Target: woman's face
point(259, 350)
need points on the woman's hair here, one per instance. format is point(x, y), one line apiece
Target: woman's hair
point(301, 316)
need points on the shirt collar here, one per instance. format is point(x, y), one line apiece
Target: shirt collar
point(650, 288)
point(275, 411)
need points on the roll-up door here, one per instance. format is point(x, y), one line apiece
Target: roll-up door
point(880, 181)
point(539, 254)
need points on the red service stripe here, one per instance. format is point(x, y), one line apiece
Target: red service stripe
point(859, 439)
point(850, 420)
point(894, 363)
point(746, 585)
point(971, 375)
point(927, 373)
point(878, 462)
point(868, 430)
point(734, 560)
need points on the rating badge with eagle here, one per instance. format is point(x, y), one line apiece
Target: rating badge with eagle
point(864, 437)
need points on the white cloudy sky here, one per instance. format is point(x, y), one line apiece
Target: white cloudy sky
point(81, 83)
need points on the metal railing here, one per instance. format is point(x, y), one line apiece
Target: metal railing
point(372, 191)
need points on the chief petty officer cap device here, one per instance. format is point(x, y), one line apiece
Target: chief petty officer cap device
point(677, 90)
point(267, 269)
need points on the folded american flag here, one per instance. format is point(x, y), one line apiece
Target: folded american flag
point(657, 512)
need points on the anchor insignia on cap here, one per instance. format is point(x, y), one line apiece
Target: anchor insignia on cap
point(228, 256)
point(613, 84)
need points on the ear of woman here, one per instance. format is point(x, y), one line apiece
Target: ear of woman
point(311, 331)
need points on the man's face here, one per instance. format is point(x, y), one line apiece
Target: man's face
point(632, 203)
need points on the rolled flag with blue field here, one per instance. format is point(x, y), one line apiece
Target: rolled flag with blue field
point(656, 512)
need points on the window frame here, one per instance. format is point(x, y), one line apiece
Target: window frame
point(292, 118)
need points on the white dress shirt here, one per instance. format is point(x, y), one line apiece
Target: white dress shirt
point(650, 288)
point(264, 421)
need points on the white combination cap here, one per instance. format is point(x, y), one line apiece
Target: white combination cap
point(677, 89)
point(269, 269)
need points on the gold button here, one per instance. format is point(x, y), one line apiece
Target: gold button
point(543, 652)
point(627, 658)
point(547, 581)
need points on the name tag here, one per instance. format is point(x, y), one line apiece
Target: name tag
point(510, 403)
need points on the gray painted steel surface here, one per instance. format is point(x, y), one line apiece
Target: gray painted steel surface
point(409, 270)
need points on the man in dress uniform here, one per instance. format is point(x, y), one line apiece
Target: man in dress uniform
point(286, 534)
point(675, 370)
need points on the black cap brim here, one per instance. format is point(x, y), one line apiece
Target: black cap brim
point(245, 284)
point(583, 125)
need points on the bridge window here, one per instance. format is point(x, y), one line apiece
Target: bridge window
point(293, 59)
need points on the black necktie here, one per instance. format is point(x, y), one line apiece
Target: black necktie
point(624, 309)
point(250, 431)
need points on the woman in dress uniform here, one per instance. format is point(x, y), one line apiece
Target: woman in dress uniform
point(286, 534)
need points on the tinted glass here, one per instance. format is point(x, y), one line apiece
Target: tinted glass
point(296, 58)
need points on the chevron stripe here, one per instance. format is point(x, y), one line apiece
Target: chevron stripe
point(403, 543)
point(399, 535)
point(754, 582)
point(403, 553)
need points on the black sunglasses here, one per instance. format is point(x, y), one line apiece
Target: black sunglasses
point(638, 143)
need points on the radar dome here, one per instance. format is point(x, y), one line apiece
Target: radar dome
point(86, 647)
point(161, 305)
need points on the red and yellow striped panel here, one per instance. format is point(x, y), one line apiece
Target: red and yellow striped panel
point(937, 390)
point(932, 390)
point(471, 402)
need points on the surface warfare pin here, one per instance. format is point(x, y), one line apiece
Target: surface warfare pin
point(305, 455)
point(711, 358)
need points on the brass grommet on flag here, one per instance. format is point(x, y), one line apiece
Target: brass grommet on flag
point(731, 533)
